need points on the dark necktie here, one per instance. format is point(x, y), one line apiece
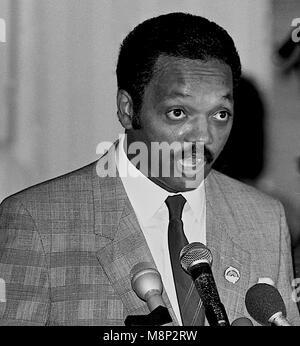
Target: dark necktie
point(190, 304)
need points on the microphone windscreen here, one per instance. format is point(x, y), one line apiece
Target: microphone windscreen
point(140, 267)
point(263, 301)
point(241, 321)
point(145, 279)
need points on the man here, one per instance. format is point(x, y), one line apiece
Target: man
point(68, 245)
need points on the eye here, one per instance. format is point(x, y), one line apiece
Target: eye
point(176, 114)
point(222, 116)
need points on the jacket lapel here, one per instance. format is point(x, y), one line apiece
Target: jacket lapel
point(222, 234)
point(122, 243)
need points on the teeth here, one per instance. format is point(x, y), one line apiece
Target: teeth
point(190, 162)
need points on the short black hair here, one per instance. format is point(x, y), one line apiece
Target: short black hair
point(177, 34)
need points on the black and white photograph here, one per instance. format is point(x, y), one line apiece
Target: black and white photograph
point(150, 166)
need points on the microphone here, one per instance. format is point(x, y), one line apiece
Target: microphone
point(242, 321)
point(146, 283)
point(196, 259)
point(265, 304)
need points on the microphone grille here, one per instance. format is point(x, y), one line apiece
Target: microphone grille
point(263, 301)
point(194, 253)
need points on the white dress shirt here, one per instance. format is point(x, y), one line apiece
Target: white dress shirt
point(148, 202)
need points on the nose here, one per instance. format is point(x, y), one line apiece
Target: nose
point(200, 131)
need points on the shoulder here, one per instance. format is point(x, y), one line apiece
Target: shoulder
point(72, 183)
point(243, 193)
point(258, 217)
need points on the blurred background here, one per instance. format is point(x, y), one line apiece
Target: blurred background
point(58, 88)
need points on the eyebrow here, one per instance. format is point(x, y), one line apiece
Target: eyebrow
point(174, 94)
point(228, 97)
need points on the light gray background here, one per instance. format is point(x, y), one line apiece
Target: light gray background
point(58, 85)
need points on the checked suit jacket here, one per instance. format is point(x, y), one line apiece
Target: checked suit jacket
point(67, 247)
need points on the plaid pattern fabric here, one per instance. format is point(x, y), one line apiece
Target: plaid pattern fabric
point(67, 247)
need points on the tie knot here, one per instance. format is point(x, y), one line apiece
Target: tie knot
point(175, 205)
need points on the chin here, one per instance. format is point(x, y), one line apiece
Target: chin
point(181, 185)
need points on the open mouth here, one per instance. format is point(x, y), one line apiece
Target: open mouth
point(191, 162)
point(191, 165)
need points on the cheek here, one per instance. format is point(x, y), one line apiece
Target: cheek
point(221, 136)
point(156, 130)
point(185, 129)
point(151, 126)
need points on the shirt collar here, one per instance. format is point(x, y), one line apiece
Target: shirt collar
point(147, 197)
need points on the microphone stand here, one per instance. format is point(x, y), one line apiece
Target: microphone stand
point(157, 317)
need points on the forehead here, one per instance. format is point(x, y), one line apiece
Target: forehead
point(172, 74)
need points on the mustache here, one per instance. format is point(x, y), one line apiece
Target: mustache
point(208, 155)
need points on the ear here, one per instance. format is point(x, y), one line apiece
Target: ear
point(125, 109)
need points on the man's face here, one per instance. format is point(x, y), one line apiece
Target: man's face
point(189, 102)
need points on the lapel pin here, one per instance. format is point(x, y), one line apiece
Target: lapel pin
point(232, 275)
